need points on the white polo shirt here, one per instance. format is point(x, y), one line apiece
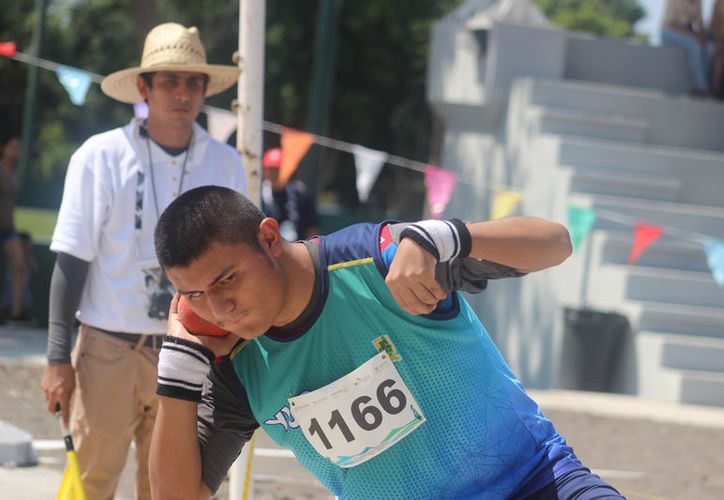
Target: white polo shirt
point(97, 221)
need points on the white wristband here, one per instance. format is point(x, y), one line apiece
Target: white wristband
point(182, 368)
point(445, 239)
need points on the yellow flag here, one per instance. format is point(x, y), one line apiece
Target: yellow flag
point(72, 486)
point(504, 203)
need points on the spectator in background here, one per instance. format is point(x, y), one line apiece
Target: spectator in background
point(26, 241)
point(683, 27)
point(9, 238)
point(288, 202)
point(716, 31)
point(118, 183)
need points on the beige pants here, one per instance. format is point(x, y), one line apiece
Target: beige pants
point(114, 403)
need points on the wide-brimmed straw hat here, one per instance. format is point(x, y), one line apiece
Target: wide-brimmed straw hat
point(170, 47)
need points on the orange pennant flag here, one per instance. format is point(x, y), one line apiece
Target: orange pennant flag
point(644, 235)
point(295, 144)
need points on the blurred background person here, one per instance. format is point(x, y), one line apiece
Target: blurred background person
point(12, 247)
point(684, 27)
point(288, 202)
point(26, 241)
point(716, 31)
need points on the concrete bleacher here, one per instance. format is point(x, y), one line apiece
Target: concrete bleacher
point(634, 151)
point(625, 178)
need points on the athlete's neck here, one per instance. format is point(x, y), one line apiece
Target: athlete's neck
point(298, 269)
point(167, 136)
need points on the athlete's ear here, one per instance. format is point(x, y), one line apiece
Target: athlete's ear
point(269, 237)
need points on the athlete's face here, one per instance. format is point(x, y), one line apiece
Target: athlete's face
point(236, 287)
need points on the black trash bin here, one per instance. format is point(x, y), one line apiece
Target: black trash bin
point(592, 349)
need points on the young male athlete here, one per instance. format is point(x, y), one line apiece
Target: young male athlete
point(357, 352)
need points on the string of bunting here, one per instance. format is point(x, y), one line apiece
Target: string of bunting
point(581, 221)
point(439, 182)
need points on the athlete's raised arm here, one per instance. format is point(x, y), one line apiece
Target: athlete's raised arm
point(526, 244)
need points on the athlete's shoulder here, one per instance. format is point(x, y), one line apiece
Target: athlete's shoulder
point(354, 242)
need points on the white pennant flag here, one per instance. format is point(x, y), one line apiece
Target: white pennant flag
point(368, 163)
point(221, 123)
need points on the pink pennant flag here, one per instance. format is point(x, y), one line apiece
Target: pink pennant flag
point(644, 235)
point(295, 144)
point(440, 184)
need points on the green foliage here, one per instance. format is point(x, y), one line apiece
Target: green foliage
point(379, 89)
point(610, 18)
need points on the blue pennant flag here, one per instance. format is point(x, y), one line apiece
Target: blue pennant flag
point(76, 83)
point(714, 249)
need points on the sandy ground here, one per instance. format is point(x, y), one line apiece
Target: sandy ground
point(646, 460)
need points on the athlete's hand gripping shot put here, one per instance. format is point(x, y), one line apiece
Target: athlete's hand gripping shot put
point(357, 351)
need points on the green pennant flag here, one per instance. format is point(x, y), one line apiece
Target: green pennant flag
point(580, 222)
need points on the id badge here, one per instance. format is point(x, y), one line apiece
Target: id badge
point(157, 289)
point(360, 415)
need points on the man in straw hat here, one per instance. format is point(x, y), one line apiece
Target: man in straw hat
point(106, 274)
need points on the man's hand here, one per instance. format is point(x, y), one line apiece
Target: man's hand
point(221, 346)
point(58, 385)
point(411, 279)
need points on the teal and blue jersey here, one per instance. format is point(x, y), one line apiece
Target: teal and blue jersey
point(484, 437)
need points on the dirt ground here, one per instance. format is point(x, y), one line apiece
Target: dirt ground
point(645, 460)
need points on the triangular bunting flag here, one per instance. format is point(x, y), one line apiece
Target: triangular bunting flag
point(76, 83)
point(644, 235)
point(140, 110)
point(580, 222)
point(71, 487)
point(295, 144)
point(7, 49)
point(714, 249)
point(221, 123)
point(440, 184)
point(504, 203)
point(368, 163)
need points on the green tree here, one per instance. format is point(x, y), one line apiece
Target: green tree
point(610, 18)
point(379, 96)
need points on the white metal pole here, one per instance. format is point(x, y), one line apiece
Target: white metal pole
point(250, 113)
point(250, 110)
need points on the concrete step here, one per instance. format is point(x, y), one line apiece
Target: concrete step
point(702, 388)
point(655, 380)
point(680, 319)
point(596, 97)
point(690, 352)
point(562, 121)
point(634, 185)
point(681, 219)
point(665, 253)
point(700, 173)
point(660, 299)
point(672, 120)
point(673, 287)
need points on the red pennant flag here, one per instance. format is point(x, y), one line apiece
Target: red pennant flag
point(295, 144)
point(644, 235)
point(7, 49)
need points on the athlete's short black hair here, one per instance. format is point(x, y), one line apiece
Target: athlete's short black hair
point(200, 217)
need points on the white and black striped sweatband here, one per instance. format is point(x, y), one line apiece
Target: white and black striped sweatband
point(445, 239)
point(182, 367)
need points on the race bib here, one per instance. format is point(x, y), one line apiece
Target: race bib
point(360, 415)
